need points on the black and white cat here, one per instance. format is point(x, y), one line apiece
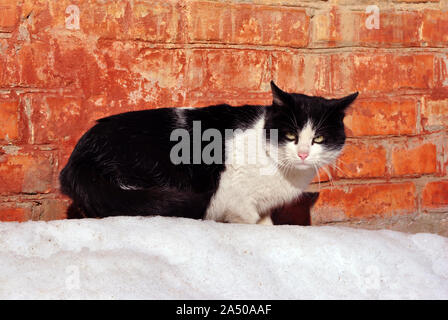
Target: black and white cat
point(254, 159)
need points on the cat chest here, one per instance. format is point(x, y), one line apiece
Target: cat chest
point(244, 189)
point(262, 188)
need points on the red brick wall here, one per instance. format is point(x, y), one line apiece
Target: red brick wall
point(56, 79)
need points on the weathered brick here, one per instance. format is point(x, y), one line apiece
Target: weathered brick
point(382, 116)
point(12, 212)
point(27, 65)
point(50, 209)
point(9, 120)
point(303, 73)
point(397, 28)
point(8, 15)
point(363, 201)
point(441, 73)
point(155, 21)
point(27, 172)
point(414, 158)
point(247, 24)
point(162, 78)
point(435, 28)
point(435, 194)
point(339, 27)
point(385, 72)
point(79, 65)
point(224, 71)
point(139, 76)
point(362, 160)
point(434, 114)
point(53, 118)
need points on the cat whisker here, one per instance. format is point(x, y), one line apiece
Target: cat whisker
point(330, 177)
point(318, 174)
point(285, 165)
point(335, 166)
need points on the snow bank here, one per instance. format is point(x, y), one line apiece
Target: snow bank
point(169, 258)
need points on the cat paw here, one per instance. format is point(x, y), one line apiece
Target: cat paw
point(267, 221)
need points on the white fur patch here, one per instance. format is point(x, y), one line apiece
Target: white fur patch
point(245, 194)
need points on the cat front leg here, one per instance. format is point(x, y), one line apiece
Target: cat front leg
point(248, 216)
point(267, 221)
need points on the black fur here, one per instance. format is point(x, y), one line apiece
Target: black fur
point(291, 111)
point(133, 149)
point(297, 212)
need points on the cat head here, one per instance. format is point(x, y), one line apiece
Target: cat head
point(310, 129)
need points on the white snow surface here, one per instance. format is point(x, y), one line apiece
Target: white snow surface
point(174, 258)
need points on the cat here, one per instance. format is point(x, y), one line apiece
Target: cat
point(152, 162)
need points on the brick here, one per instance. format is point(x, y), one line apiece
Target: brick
point(55, 118)
point(348, 28)
point(435, 194)
point(78, 65)
point(199, 99)
point(155, 21)
point(364, 201)
point(362, 160)
point(303, 73)
point(8, 15)
point(27, 172)
point(137, 76)
point(37, 63)
point(163, 67)
point(381, 116)
point(434, 114)
point(9, 119)
point(414, 158)
point(27, 65)
point(50, 209)
point(397, 28)
point(441, 70)
point(247, 24)
point(161, 77)
point(228, 71)
point(11, 212)
point(435, 28)
point(289, 71)
point(353, 72)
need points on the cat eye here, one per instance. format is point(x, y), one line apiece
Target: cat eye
point(290, 136)
point(318, 139)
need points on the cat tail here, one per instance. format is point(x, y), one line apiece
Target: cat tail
point(95, 197)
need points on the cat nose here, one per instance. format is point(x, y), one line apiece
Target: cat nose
point(303, 155)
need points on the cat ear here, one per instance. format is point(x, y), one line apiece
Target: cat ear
point(343, 103)
point(279, 97)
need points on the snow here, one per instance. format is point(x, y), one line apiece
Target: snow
point(173, 258)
